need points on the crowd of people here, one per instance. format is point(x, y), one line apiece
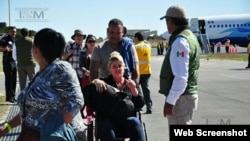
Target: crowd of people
point(65, 70)
point(73, 77)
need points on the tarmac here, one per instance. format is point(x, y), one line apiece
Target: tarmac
point(223, 98)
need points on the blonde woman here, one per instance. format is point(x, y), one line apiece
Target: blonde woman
point(109, 125)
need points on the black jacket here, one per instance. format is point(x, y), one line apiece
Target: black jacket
point(110, 104)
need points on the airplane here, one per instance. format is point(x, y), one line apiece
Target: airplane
point(220, 28)
point(166, 35)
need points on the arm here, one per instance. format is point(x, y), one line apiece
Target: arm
point(67, 56)
point(12, 124)
point(138, 99)
point(100, 85)
point(93, 68)
point(67, 117)
point(82, 62)
point(5, 48)
point(135, 73)
point(132, 86)
point(72, 96)
point(67, 53)
point(137, 96)
point(6, 44)
point(180, 68)
point(95, 63)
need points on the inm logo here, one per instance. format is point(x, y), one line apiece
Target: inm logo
point(220, 120)
point(32, 14)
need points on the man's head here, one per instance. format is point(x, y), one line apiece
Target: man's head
point(12, 31)
point(78, 36)
point(24, 32)
point(138, 37)
point(115, 31)
point(124, 31)
point(175, 11)
point(175, 17)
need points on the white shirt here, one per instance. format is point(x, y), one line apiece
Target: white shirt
point(179, 61)
point(14, 51)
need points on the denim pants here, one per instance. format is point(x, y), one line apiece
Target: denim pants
point(110, 130)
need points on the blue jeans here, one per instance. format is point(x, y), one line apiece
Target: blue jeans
point(109, 130)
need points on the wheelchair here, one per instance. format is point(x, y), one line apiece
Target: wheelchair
point(92, 134)
point(92, 99)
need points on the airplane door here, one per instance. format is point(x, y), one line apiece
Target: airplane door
point(194, 25)
point(202, 27)
point(198, 26)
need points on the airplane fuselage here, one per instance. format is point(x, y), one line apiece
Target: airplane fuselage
point(236, 28)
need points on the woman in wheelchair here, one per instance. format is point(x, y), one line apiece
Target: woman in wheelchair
point(115, 102)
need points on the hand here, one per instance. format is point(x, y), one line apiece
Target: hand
point(130, 83)
point(87, 73)
point(100, 85)
point(132, 86)
point(8, 49)
point(3, 131)
point(70, 52)
point(168, 109)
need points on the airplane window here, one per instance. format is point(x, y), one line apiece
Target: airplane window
point(222, 25)
point(214, 26)
point(245, 25)
point(233, 25)
point(210, 26)
point(241, 25)
point(218, 26)
point(229, 25)
point(226, 25)
point(238, 25)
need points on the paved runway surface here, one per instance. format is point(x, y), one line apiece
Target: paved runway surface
point(223, 97)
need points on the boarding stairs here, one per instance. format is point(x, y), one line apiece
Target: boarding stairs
point(206, 45)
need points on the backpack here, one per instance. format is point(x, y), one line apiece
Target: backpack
point(111, 104)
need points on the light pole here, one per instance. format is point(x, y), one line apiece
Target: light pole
point(9, 10)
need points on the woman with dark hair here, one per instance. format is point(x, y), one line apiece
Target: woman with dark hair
point(85, 56)
point(54, 94)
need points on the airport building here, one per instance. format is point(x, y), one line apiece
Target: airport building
point(146, 32)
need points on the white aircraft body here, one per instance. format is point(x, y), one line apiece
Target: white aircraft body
point(219, 28)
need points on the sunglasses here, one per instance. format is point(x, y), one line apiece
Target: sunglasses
point(91, 41)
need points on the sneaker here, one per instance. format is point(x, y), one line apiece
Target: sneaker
point(11, 101)
point(148, 112)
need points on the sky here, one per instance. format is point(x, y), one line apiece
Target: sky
point(92, 16)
